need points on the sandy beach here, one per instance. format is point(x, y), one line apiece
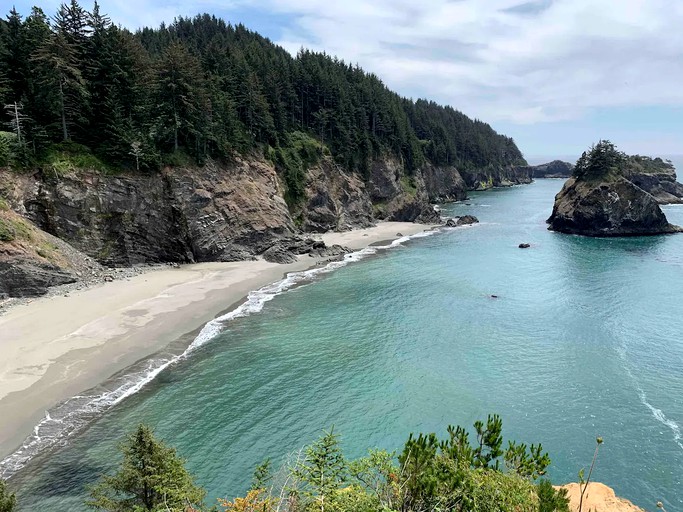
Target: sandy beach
point(56, 347)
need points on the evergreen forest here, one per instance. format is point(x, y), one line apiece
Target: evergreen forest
point(202, 88)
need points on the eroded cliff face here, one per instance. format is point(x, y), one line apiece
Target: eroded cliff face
point(224, 212)
point(484, 179)
point(215, 213)
point(660, 183)
point(179, 215)
point(335, 200)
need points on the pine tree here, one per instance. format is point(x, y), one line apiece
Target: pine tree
point(152, 477)
point(323, 470)
point(58, 69)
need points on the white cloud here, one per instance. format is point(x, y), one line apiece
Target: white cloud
point(506, 60)
point(520, 61)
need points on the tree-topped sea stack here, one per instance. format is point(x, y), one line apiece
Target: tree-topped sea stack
point(598, 200)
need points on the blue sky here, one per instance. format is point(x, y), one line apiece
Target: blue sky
point(557, 75)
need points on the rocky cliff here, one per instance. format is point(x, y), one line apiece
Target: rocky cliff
point(656, 177)
point(223, 212)
point(484, 179)
point(554, 169)
point(611, 206)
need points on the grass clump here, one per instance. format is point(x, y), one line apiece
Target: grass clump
point(408, 185)
point(7, 234)
point(66, 157)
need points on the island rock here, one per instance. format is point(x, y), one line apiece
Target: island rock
point(598, 200)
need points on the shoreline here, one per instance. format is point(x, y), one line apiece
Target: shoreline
point(59, 346)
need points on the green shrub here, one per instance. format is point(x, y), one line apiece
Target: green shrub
point(292, 159)
point(485, 490)
point(69, 156)
point(353, 499)
point(8, 500)
point(551, 500)
point(5, 148)
point(178, 159)
point(7, 233)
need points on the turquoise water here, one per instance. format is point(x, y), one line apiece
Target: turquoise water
point(584, 340)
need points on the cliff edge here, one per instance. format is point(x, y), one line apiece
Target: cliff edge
point(598, 498)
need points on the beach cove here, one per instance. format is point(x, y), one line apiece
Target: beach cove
point(580, 341)
point(57, 347)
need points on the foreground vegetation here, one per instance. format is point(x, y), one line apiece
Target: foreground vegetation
point(456, 474)
point(201, 88)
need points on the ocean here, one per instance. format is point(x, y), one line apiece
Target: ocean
point(583, 340)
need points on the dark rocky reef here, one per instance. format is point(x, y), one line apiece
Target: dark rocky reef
point(465, 220)
point(607, 207)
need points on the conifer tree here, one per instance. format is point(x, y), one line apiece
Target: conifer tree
point(151, 478)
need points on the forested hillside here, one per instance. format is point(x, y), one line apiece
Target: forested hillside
point(203, 88)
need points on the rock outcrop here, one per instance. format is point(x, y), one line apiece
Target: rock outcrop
point(465, 220)
point(613, 206)
point(484, 179)
point(554, 169)
point(32, 261)
point(224, 212)
point(656, 177)
point(335, 200)
point(598, 498)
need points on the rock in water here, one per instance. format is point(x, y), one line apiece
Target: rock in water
point(598, 200)
point(466, 220)
point(461, 221)
point(612, 208)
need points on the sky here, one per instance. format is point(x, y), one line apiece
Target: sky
point(556, 75)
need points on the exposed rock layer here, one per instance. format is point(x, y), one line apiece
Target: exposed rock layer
point(659, 181)
point(215, 213)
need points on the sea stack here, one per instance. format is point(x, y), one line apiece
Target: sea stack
point(598, 200)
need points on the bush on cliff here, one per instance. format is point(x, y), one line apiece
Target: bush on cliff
point(8, 500)
point(454, 474)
